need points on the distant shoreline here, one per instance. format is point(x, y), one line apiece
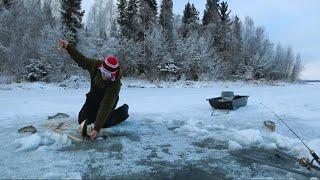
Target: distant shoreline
point(311, 80)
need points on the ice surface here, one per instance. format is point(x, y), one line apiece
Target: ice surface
point(170, 131)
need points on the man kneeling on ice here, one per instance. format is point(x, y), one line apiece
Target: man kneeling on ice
point(103, 97)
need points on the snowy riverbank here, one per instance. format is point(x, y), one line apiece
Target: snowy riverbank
point(170, 131)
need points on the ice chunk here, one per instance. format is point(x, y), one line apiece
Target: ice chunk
point(234, 145)
point(28, 143)
point(248, 137)
point(55, 139)
point(69, 175)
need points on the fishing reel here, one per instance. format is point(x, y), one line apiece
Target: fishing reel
point(305, 162)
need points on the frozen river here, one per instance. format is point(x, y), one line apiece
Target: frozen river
point(170, 133)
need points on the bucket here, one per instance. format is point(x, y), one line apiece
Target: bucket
point(227, 95)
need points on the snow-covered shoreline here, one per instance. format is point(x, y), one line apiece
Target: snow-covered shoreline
point(171, 125)
point(76, 82)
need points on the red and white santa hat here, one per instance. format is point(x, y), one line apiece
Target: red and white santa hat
point(111, 63)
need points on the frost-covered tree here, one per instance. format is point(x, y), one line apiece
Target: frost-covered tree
point(190, 14)
point(237, 48)
point(287, 63)
point(114, 29)
point(280, 67)
point(211, 14)
point(101, 17)
point(166, 19)
point(172, 47)
point(71, 15)
point(190, 20)
point(36, 44)
point(297, 69)
point(122, 17)
point(223, 32)
point(222, 39)
point(133, 19)
point(147, 16)
point(48, 15)
point(56, 8)
point(196, 58)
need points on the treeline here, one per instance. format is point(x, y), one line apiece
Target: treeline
point(151, 45)
point(28, 41)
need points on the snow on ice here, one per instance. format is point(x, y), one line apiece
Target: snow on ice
point(170, 131)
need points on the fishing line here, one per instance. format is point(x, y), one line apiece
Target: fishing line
point(314, 155)
point(286, 125)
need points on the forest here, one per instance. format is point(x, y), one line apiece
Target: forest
point(150, 41)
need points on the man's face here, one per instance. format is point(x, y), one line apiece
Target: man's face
point(107, 75)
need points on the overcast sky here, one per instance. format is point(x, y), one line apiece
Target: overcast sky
point(290, 22)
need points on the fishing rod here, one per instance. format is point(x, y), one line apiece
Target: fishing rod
point(312, 152)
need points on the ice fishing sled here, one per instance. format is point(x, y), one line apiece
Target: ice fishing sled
point(64, 125)
point(228, 101)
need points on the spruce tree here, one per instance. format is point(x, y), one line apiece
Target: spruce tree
point(195, 14)
point(237, 47)
point(190, 19)
point(222, 40)
point(190, 14)
point(211, 14)
point(132, 19)
point(166, 19)
point(71, 16)
point(223, 32)
point(147, 16)
point(236, 30)
point(122, 21)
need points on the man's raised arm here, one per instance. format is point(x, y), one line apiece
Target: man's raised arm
point(84, 62)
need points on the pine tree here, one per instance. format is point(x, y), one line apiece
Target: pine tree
point(190, 19)
point(132, 19)
point(190, 14)
point(195, 14)
point(122, 21)
point(154, 7)
point(211, 14)
point(237, 47)
point(71, 15)
point(147, 16)
point(237, 31)
point(223, 31)
point(166, 19)
point(222, 39)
